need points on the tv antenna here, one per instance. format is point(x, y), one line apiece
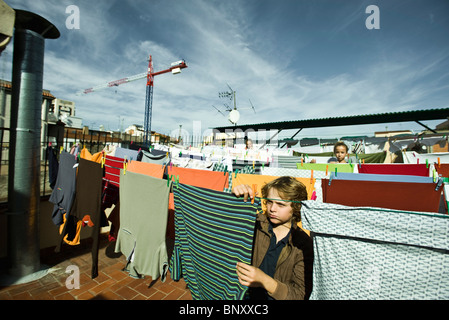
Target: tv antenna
point(233, 113)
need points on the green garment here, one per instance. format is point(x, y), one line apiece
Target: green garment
point(341, 167)
point(143, 224)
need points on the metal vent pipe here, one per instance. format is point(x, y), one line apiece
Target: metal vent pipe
point(30, 33)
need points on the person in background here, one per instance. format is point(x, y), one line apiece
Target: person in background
point(249, 144)
point(341, 151)
point(282, 260)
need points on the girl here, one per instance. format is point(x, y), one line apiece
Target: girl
point(340, 151)
point(283, 255)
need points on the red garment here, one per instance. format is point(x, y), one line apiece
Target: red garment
point(443, 169)
point(112, 169)
point(395, 168)
point(392, 195)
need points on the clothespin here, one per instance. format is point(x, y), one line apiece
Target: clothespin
point(427, 163)
point(327, 169)
point(311, 177)
point(363, 161)
point(438, 161)
point(434, 173)
point(417, 161)
point(302, 162)
point(103, 160)
point(235, 176)
point(60, 149)
point(254, 191)
point(125, 165)
point(226, 169)
point(335, 172)
point(254, 164)
point(169, 179)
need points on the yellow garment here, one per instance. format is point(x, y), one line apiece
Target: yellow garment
point(261, 180)
point(97, 157)
point(77, 238)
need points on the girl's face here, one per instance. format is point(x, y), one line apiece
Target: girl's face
point(340, 153)
point(278, 212)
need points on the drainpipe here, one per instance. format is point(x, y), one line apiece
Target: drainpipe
point(30, 33)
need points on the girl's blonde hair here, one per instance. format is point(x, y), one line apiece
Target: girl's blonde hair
point(289, 189)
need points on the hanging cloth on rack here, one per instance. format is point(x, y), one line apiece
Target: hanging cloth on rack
point(214, 230)
point(64, 191)
point(143, 223)
point(86, 209)
point(371, 253)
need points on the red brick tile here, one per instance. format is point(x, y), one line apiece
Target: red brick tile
point(127, 293)
point(175, 294)
point(59, 290)
point(22, 296)
point(108, 295)
point(84, 296)
point(143, 289)
point(101, 287)
point(165, 288)
point(112, 282)
point(186, 296)
point(140, 297)
point(157, 296)
point(65, 296)
point(5, 295)
point(101, 277)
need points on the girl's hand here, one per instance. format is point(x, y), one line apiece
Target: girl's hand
point(245, 191)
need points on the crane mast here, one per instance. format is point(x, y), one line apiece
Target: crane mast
point(175, 68)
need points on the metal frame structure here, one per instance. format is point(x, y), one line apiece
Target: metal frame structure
point(405, 116)
point(175, 68)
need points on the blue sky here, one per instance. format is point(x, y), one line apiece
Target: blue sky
point(294, 59)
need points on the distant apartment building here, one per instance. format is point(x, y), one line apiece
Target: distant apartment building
point(64, 111)
point(53, 110)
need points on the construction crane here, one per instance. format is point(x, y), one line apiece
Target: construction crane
point(175, 68)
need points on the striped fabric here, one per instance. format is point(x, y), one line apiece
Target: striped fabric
point(112, 169)
point(214, 230)
point(111, 180)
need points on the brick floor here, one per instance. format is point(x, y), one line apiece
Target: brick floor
point(111, 284)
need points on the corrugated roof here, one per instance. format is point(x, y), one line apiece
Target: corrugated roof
point(404, 116)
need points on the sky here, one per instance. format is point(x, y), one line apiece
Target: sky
point(292, 59)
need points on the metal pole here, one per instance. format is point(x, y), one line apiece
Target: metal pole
point(30, 33)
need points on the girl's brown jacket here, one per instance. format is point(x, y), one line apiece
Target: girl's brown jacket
point(294, 268)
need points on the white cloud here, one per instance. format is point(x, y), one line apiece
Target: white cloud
point(220, 46)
